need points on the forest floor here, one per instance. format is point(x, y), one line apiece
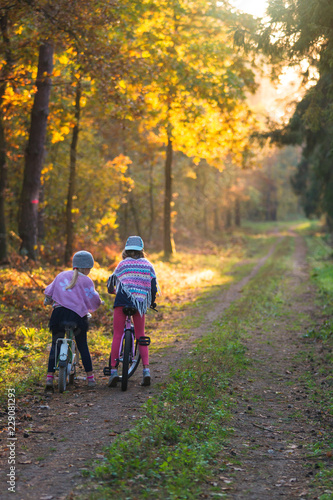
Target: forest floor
point(278, 428)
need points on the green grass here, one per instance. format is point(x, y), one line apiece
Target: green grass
point(320, 338)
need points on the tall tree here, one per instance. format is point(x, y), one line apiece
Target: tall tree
point(302, 32)
point(28, 217)
point(194, 86)
point(72, 175)
point(4, 75)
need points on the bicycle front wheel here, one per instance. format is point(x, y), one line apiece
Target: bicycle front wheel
point(62, 378)
point(126, 359)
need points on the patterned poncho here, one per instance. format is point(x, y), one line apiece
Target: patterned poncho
point(133, 277)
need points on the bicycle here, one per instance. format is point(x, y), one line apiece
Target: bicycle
point(67, 358)
point(129, 355)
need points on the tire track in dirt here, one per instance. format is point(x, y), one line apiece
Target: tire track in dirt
point(70, 429)
point(274, 420)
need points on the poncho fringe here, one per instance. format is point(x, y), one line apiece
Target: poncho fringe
point(138, 286)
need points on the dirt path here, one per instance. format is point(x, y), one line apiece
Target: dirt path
point(67, 430)
point(274, 419)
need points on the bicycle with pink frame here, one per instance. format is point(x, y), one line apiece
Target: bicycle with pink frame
point(129, 355)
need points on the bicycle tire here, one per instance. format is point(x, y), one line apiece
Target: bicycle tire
point(134, 366)
point(62, 378)
point(71, 375)
point(126, 356)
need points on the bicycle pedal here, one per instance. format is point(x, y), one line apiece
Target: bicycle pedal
point(144, 341)
point(107, 371)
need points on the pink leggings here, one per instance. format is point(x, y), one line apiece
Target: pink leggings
point(119, 319)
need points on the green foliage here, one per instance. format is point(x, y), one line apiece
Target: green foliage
point(23, 361)
point(302, 32)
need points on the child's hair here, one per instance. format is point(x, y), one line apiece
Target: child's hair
point(74, 279)
point(134, 254)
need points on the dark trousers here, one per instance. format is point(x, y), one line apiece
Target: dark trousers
point(60, 314)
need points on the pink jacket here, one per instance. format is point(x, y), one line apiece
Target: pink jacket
point(82, 298)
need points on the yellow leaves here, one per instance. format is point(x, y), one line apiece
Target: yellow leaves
point(108, 221)
point(63, 59)
point(65, 129)
point(57, 136)
point(120, 163)
point(190, 174)
point(45, 171)
point(122, 84)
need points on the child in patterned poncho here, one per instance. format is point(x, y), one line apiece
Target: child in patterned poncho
point(135, 285)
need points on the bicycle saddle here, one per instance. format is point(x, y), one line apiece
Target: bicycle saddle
point(69, 324)
point(129, 311)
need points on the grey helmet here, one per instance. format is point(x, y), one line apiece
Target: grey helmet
point(134, 243)
point(83, 260)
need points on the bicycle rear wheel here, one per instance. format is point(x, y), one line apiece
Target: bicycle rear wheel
point(126, 359)
point(62, 378)
point(134, 364)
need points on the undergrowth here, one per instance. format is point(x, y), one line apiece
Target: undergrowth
point(320, 258)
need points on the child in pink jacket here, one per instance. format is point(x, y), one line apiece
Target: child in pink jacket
point(73, 296)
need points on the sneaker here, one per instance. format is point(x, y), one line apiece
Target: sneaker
point(146, 377)
point(92, 383)
point(114, 378)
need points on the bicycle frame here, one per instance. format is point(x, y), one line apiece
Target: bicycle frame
point(65, 356)
point(67, 348)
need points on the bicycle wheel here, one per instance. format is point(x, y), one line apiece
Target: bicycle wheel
point(71, 375)
point(134, 364)
point(62, 378)
point(126, 359)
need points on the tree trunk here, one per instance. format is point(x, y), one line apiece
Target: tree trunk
point(71, 182)
point(228, 219)
point(3, 184)
point(168, 247)
point(134, 211)
point(237, 212)
point(3, 164)
point(216, 220)
point(41, 216)
point(151, 202)
point(34, 156)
